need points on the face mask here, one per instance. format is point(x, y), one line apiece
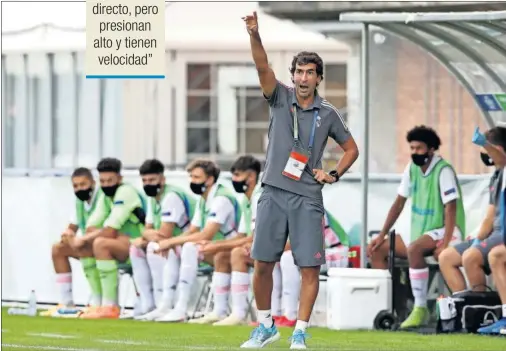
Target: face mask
point(110, 190)
point(485, 158)
point(152, 189)
point(198, 188)
point(84, 195)
point(240, 187)
point(420, 160)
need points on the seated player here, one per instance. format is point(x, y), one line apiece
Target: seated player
point(245, 172)
point(123, 214)
point(497, 262)
point(472, 254)
point(336, 255)
point(169, 213)
point(216, 218)
point(87, 195)
point(497, 256)
point(437, 216)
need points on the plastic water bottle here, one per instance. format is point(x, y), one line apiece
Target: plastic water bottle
point(32, 304)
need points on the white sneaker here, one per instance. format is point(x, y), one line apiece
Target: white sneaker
point(207, 319)
point(230, 320)
point(172, 316)
point(153, 314)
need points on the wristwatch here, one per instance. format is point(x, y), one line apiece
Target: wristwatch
point(335, 175)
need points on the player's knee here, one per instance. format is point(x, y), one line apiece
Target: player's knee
point(57, 250)
point(414, 251)
point(221, 259)
point(189, 249)
point(497, 256)
point(287, 259)
point(310, 275)
point(449, 257)
point(264, 268)
point(152, 247)
point(472, 258)
point(135, 251)
point(238, 256)
point(99, 243)
point(381, 252)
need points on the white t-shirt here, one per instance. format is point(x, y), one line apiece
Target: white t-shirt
point(220, 210)
point(173, 211)
point(254, 202)
point(449, 190)
point(87, 207)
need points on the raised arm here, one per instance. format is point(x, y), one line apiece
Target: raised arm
point(266, 75)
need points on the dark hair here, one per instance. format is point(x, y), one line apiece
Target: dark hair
point(246, 163)
point(497, 136)
point(153, 166)
point(210, 168)
point(426, 135)
point(82, 172)
point(305, 57)
point(109, 164)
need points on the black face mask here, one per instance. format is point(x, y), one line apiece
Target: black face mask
point(152, 189)
point(85, 194)
point(420, 160)
point(240, 187)
point(198, 188)
point(485, 158)
point(110, 190)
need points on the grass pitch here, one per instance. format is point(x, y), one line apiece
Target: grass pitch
point(39, 333)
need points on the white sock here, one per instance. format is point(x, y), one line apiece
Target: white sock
point(187, 276)
point(301, 325)
point(276, 291)
point(291, 285)
point(419, 284)
point(156, 265)
point(240, 288)
point(265, 318)
point(170, 277)
point(504, 310)
point(221, 287)
point(64, 283)
point(142, 278)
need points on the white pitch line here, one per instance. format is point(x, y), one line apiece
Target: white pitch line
point(42, 347)
point(52, 336)
point(123, 342)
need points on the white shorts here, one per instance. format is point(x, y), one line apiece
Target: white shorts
point(438, 235)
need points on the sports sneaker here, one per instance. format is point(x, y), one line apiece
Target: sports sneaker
point(417, 318)
point(102, 312)
point(153, 314)
point(298, 340)
point(261, 336)
point(206, 319)
point(230, 320)
point(172, 316)
point(496, 328)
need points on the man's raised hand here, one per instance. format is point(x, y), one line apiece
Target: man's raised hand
point(251, 23)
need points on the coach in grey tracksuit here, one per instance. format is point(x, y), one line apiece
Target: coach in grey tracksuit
point(291, 204)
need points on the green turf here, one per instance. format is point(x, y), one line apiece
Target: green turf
point(39, 333)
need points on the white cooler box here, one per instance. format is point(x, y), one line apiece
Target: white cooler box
point(355, 296)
